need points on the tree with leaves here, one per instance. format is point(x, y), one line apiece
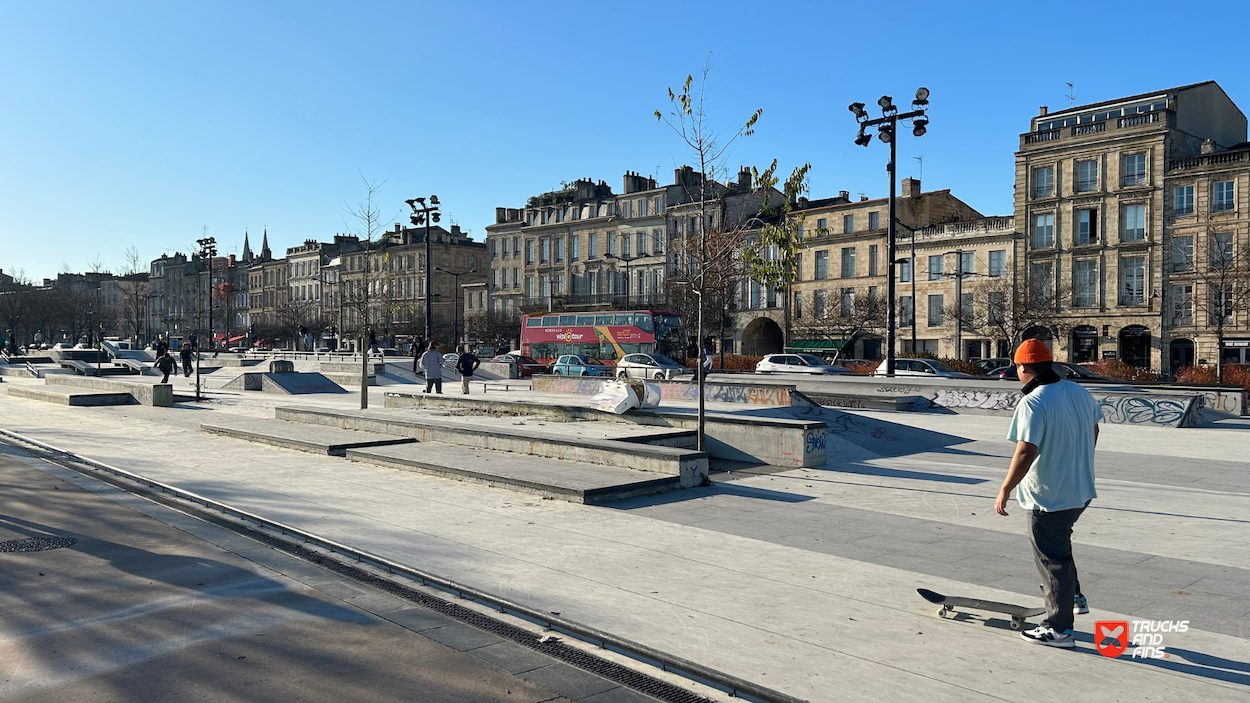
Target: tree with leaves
point(775, 261)
point(688, 119)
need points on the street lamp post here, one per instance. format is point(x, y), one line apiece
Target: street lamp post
point(423, 214)
point(628, 261)
point(455, 312)
point(208, 248)
point(887, 131)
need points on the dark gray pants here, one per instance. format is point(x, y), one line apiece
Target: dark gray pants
point(433, 383)
point(1051, 537)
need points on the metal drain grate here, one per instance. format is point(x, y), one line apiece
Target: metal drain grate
point(36, 544)
point(550, 646)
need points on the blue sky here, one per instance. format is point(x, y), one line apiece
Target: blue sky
point(137, 123)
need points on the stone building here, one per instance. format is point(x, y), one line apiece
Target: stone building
point(844, 256)
point(309, 292)
point(1100, 189)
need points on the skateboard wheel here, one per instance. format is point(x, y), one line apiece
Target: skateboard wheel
point(941, 612)
point(1016, 624)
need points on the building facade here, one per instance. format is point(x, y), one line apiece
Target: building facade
point(1100, 191)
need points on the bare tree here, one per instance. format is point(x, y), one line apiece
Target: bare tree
point(689, 120)
point(847, 321)
point(999, 308)
point(362, 293)
point(133, 294)
point(1219, 284)
point(497, 329)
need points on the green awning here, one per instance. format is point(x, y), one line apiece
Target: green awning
point(814, 345)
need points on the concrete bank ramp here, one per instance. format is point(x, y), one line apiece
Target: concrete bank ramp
point(850, 437)
point(292, 435)
point(284, 383)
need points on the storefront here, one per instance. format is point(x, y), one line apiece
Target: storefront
point(1236, 351)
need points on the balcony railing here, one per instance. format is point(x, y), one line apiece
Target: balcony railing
point(615, 301)
point(1049, 135)
point(1092, 128)
point(1205, 160)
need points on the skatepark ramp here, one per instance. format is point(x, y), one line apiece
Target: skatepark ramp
point(293, 383)
point(68, 389)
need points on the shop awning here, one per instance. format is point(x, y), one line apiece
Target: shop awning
point(235, 339)
point(814, 345)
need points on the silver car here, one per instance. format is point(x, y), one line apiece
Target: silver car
point(655, 366)
point(921, 367)
point(798, 363)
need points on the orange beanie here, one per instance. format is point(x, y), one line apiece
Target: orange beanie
point(1033, 351)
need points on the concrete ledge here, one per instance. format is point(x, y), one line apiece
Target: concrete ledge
point(155, 394)
point(16, 371)
point(224, 362)
point(566, 480)
point(334, 442)
point(850, 401)
point(750, 393)
point(353, 368)
point(350, 381)
point(65, 395)
point(690, 466)
point(765, 440)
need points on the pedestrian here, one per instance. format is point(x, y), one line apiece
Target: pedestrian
point(1055, 428)
point(162, 347)
point(705, 364)
point(418, 346)
point(186, 360)
point(373, 341)
point(165, 364)
point(432, 364)
point(466, 365)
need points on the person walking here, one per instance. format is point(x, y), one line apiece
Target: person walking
point(185, 354)
point(1055, 428)
point(165, 364)
point(373, 341)
point(466, 365)
point(162, 346)
point(432, 364)
point(418, 346)
point(705, 364)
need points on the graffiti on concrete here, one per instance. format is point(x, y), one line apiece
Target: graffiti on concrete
point(815, 442)
point(676, 390)
point(901, 390)
point(971, 398)
point(1147, 410)
point(579, 385)
point(881, 433)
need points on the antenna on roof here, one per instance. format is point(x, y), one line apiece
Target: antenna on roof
point(1071, 94)
point(921, 160)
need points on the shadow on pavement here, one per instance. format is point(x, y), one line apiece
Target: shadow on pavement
point(1208, 666)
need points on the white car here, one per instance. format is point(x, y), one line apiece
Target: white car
point(798, 363)
point(921, 367)
point(656, 366)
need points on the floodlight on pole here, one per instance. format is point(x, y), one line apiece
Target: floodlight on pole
point(919, 126)
point(885, 133)
point(886, 103)
point(858, 109)
point(922, 96)
point(863, 139)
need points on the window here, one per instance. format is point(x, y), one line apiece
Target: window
point(1222, 304)
point(626, 208)
point(996, 308)
point(611, 237)
point(560, 214)
point(848, 262)
point(575, 248)
point(906, 311)
point(494, 252)
point(1086, 293)
point(1183, 200)
point(1221, 250)
point(1042, 281)
point(967, 262)
point(642, 208)
point(1222, 196)
point(516, 278)
point(504, 276)
point(998, 262)
point(822, 265)
point(657, 237)
point(494, 278)
point(543, 250)
point(872, 260)
point(1134, 223)
point(642, 242)
point(592, 247)
point(1086, 176)
point(798, 266)
point(529, 287)
point(872, 294)
point(848, 224)
point(1182, 253)
point(529, 251)
point(516, 247)
point(1044, 182)
point(935, 311)
point(847, 302)
point(798, 305)
point(506, 242)
point(1133, 273)
point(1135, 170)
point(966, 308)
point(625, 246)
point(874, 221)
point(1044, 231)
point(659, 204)
point(1183, 305)
point(818, 303)
point(560, 249)
point(820, 224)
point(904, 270)
point(753, 300)
point(1086, 227)
point(936, 264)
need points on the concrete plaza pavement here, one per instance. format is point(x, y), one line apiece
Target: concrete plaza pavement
point(802, 580)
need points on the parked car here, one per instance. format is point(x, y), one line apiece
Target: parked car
point(655, 366)
point(798, 363)
point(1071, 372)
point(921, 367)
point(239, 350)
point(578, 365)
point(991, 364)
point(525, 365)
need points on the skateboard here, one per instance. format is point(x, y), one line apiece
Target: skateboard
point(1018, 613)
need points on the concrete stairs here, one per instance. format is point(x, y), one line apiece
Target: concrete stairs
point(291, 435)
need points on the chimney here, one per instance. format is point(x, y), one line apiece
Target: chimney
point(845, 195)
point(455, 232)
point(1042, 111)
point(397, 228)
point(744, 179)
point(501, 214)
point(863, 198)
point(911, 188)
point(1208, 146)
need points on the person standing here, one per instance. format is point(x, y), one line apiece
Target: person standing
point(373, 341)
point(418, 346)
point(705, 364)
point(1055, 428)
point(165, 364)
point(466, 365)
point(186, 360)
point(432, 364)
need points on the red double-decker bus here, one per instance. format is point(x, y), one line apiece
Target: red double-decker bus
point(603, 335)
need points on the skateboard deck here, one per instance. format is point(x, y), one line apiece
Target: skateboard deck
point(1018, 613)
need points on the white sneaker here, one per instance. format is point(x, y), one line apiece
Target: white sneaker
point(1050, 638)
point(1080, 606)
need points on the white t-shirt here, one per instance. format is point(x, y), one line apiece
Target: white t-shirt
point(1057, 418)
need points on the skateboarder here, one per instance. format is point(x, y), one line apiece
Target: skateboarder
point(432, 364)
point(185, 354)
point(1055, 428)
point(466, 365)
point(165, 364)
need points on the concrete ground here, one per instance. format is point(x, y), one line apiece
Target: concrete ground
point(802, 580)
